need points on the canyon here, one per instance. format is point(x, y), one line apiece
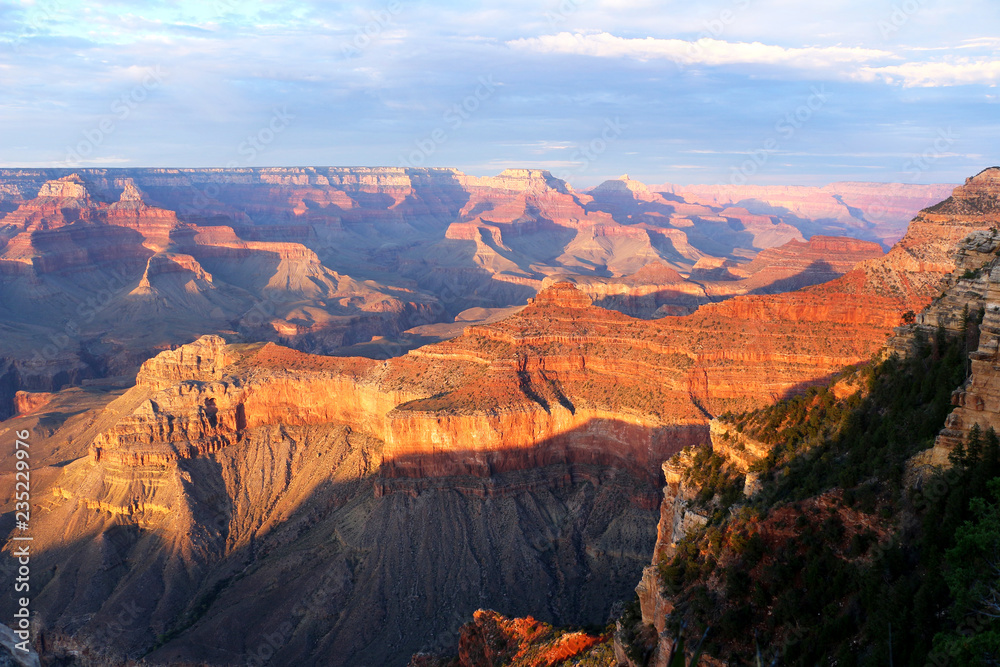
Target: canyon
point(349, 508)
point(362, 261)
point(963, 228)
point(862, 205)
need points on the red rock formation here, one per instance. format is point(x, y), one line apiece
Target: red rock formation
point(233, 430)
point(834, 254)
point(188, 517)
point(560, 381)
point(26, 402)
point(657, 289)
point(562, 295)
point(491, 640)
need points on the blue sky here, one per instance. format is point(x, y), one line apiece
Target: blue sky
point(727, 91)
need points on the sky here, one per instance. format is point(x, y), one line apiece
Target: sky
point(724, 91)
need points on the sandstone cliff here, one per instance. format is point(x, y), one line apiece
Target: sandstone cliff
point(949, 251)
point(490, 640)
point(223, 458)
point(514, 466)
point(329, 258)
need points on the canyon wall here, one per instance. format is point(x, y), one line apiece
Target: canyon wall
point(351, 510)
point(347, 260)
point(944, 268)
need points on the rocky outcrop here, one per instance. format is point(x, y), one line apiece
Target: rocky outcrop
point(491, 640)
point(26, 402)
point(198, 541)
point(562, 295)
point(680, 514)
point(963, 296)
point(977, 402)
point(204, 396)
point(68, 187)
point(679, 511)
point(740, 450)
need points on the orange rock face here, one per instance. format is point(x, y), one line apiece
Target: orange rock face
point(560, 381)
point(827, 256)
point(26, 402)
point(326, 258)
point(562, 295)
point(214, 432)
point(491, 640)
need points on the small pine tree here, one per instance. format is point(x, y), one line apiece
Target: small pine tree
point(991, 449)
point(958, 456)
point(974, 444)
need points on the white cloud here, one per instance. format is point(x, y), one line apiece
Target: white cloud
point(936, 74)
point(705, 51)
point(852, 63)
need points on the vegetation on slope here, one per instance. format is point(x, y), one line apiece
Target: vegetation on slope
point(838, 560)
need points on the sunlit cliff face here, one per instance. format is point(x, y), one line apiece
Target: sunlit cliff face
point(547, 426)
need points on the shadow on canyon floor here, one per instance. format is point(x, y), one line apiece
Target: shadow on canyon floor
point(365, 571)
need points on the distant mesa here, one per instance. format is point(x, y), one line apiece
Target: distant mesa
point(876, 211)
point(67, 187)
point(562, 295)
point(657, 273)
point(621, 184)
point(131, 194)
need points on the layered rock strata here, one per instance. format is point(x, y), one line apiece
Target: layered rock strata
point(191, 515)
point(948, 252)
point(229, 467)
point(555, 372)
point(657, 290)
point(327, 258)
